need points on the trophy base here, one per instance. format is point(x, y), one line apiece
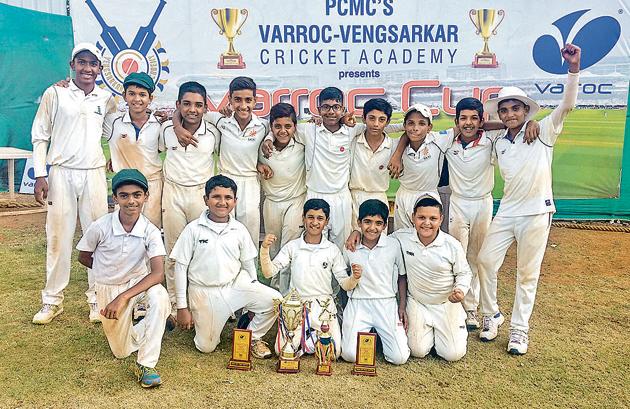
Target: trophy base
point(324, 369)
point(485, 61)
point(364, 370)
point(231, 62)
point(239, 365)
point(288, 365)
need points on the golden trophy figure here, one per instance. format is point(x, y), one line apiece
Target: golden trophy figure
point(325, 346)
point(290, 312)
point(230, 21)
point(484, 22)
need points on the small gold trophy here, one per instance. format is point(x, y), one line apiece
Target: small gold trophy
point(366, 354)
point(325, 346)
point(230, 21)
point(484, 22)
point(241, 358)
point(289, 320)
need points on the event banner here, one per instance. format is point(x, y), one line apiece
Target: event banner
point(405, 51)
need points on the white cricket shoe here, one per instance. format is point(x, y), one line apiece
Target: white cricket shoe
point(490, 326)
point(47, 313)
point(95, 315)
point(518, 342)
point(472, 320)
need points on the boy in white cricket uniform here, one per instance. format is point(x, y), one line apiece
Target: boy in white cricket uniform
point(313, 261)
point(437, 278)
point(186, 170)
point(215, 265)
point(66, 134)
point(133, 139)
point(284, 184)
point(118, 247)
point(372, 303)
point(241, 135)
point(527, 206)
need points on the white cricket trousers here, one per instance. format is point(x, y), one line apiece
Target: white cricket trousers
point(212, 306)
point(530, 233)
point(314, 320)
point(181, 205)
point(360, 315)
point(469, 220)
point(360, 196)
point(146, 336)
point(442, 326)
point(247, 210)
point(70, 191)
point(339, 224)
point(284, 220)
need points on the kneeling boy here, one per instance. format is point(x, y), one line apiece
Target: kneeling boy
point(438, 277)
point(372, 303)
point(314, 261)
point(214, 258)
point(117, 247)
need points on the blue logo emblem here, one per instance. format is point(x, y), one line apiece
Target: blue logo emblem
point(145, 54)
point(596, 38)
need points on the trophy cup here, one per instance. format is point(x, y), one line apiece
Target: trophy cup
point(325, 346)
point(230, 21)
point(484, 22)
point(289, 320)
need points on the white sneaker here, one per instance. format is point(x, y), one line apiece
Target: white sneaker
point(518, 342)
point(95, 315)
point(47, 313)
point(490, 327)
point(472, 320)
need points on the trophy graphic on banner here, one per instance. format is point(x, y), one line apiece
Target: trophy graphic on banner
point(325, 346)
point(486, 24)
point(290, 312)
point(230, 21)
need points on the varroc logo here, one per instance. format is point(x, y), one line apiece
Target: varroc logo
point(596, 38)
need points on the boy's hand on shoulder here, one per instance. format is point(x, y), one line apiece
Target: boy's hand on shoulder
point(267, 148)
point(357, 270)
point(63, 83)
point(348, 119)
point(265, 171)
point(353, 240)
point(316, 119)
point(161, 116)
point(395, 167)
point(456, 296)
point(268, 240)
point(226, 110)
point(113, 310)
point(532, 131)
point(185, 319)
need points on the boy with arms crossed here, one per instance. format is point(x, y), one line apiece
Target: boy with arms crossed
point(527, 206)
point(186, 170)
point(313, 261)
point(437, 278)
point(284, 184)
point(372, 303)
point(215, 265)
point(66, 134)
point(117, 247)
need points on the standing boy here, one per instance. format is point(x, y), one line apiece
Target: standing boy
point(186, 169)
point(314, 262)
point(133, 139)
point(215, 265)
point(527, 206)
point(437, 279)
point(284, 184)
point(66, 134)
point(372, 303)
point(117, 247)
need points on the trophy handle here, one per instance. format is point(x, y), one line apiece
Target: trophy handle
point(246, 14)
point(213, 14)
point(472, 13)
point(501, 14)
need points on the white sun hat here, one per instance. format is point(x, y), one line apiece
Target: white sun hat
point(492, 105)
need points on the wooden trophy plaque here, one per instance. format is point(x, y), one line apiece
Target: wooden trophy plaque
point(366, 354)
point(241, 353)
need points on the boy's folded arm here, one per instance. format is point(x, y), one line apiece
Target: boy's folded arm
point(155, 276)
point(348, 283)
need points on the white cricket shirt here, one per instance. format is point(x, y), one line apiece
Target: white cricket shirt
point(369, 168)
point(289, 174)
point(421, 168)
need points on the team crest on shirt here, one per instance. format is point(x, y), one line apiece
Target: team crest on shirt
point(425, 152)
point(342, 149)
point(410, 253)
point(145, 54)
point(203, 241)
point(503, 152)
point(455, 152)
point(381, 167)
point(98, 110)
point(325, 264)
